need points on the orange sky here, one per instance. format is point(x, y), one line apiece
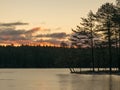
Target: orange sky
point(42, 21)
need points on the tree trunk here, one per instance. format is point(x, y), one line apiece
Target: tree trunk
point(119, 51)
point(92, 51)
point(109, 44)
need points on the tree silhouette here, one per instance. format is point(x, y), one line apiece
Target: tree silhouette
point(100, 31)
point(104, 15)
point(116, 20)
point(84, 34)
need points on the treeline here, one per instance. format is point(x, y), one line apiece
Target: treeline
point(29, 57)
point(53, 57)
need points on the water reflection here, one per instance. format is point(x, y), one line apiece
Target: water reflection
point(89, 82)
point(114, 82)
point(110, 83)
point(55, 79)
point(64, 81)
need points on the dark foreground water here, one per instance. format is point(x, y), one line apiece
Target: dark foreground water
point(55, 79)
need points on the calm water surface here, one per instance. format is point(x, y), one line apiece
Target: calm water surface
point(55, 79)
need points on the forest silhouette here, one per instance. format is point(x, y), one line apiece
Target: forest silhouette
point(54, 57)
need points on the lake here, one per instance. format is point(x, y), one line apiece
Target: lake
point(55, 79)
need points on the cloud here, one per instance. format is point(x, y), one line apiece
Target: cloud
point(29, 34)
point(13, 24)
point(19, 34)
point(54, 35)
point(11, 32)
point(53, 38)
point(34, 30)
point(10, 35)
point(51, 41)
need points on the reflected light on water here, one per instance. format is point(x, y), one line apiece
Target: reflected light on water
point(55, 79)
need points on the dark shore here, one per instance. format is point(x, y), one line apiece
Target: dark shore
point(98, 72)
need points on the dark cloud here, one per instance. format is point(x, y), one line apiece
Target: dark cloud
point(13, 24)
point(11, 32)
point(12, 38)
point(52, 41)
point(54, 35)
point(53, 38)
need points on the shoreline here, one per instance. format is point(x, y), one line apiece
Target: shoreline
point(97, 72)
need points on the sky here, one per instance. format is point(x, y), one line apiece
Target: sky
point(42, 20)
